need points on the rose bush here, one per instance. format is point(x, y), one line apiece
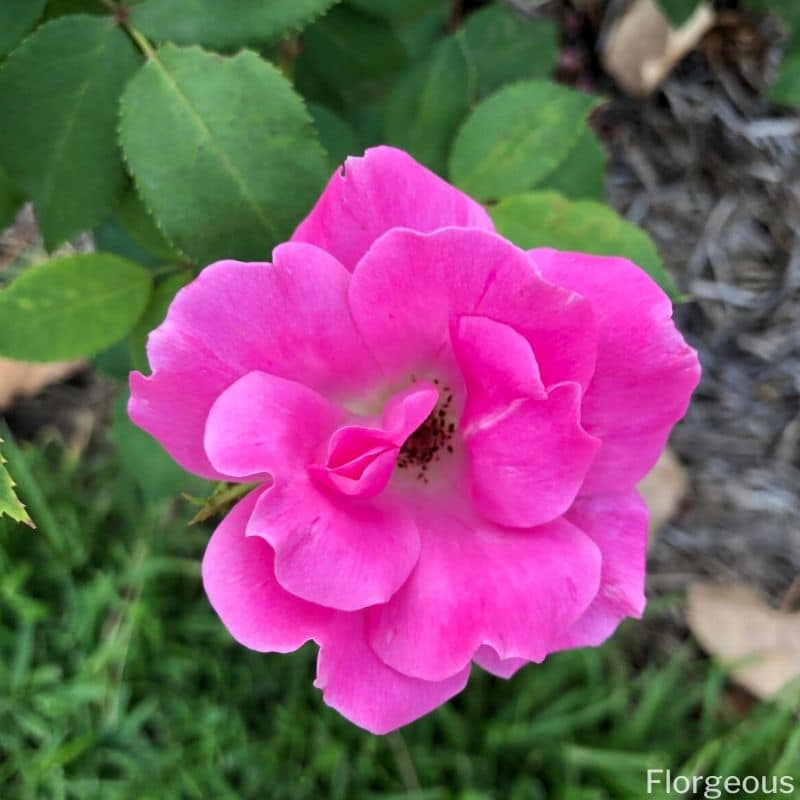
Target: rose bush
point(446, 431)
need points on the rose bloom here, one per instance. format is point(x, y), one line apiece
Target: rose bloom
point(446, 433)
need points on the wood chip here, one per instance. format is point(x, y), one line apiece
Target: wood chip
point(642, 47)
point(761, 644)
point(663, 489)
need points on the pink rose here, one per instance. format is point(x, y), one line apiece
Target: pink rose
point(447, 432)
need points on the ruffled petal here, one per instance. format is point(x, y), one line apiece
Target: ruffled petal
point(645, 372)
point(366, 691)
point(498, 366)
point(384, 189)
point(475, 584)
point(361, 458)
point(528, 463)
point(264, 424)
point(410, 287)
point(486, 658)
point(290, 319)
point(239, 579)
point(559, 324)
point(337, 551)
point(617, 523)
point(172, 407)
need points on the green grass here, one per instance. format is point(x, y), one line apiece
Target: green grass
point(118, 681)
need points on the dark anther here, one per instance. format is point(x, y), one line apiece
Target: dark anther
point(429, 440)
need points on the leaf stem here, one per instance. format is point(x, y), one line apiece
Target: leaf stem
point(121, 15)
point(141, 41)
point(219, 500)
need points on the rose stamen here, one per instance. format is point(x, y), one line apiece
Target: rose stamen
point(434, 436)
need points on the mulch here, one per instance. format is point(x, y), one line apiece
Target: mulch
point(712, 170)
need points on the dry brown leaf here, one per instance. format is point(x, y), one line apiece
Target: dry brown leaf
point(734, 624)
point(642, 47)
point(663, 488)
point(19, 378)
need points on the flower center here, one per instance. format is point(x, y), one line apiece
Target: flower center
point(430, 439)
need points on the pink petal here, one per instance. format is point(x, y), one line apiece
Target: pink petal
point(486, 658)
point(361, 459)
point(645, 371)
point(239, 579)
point(475, 584)
point(497, 364)
point(384, 189)
point(559, 324)
point(617, 523)
point(290, 319)
point(333, 550)
point(528, 463)
point(410, 287)
point(365, 475)
point(264, 424)
point(366, 691)
point(172, 407)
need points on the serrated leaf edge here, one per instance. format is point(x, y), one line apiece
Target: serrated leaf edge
point(95, 218)
point(6, 477)
point(597, 102)
point(224, 57)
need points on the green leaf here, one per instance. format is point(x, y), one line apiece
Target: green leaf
point(236, 163)
point(153, 315)
point(225, 23)
point(58, 93)
point(17, 17)
point(10, 505)
point(395, 11)
point(582, 173)
point(546, 219)
point(504, 47)
point(71, 307)
point(60, 8)
point(142, 228)
point(678, 11)
point(10, 200)
point(517, 137)
point(354, 55)
point(111, 237)
point(158, 476)
point(428, 103)
point(420, 35)
point(786, 88)
point(131, 232)
point(337, 136)
point(219, 502)
point(115, 362)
